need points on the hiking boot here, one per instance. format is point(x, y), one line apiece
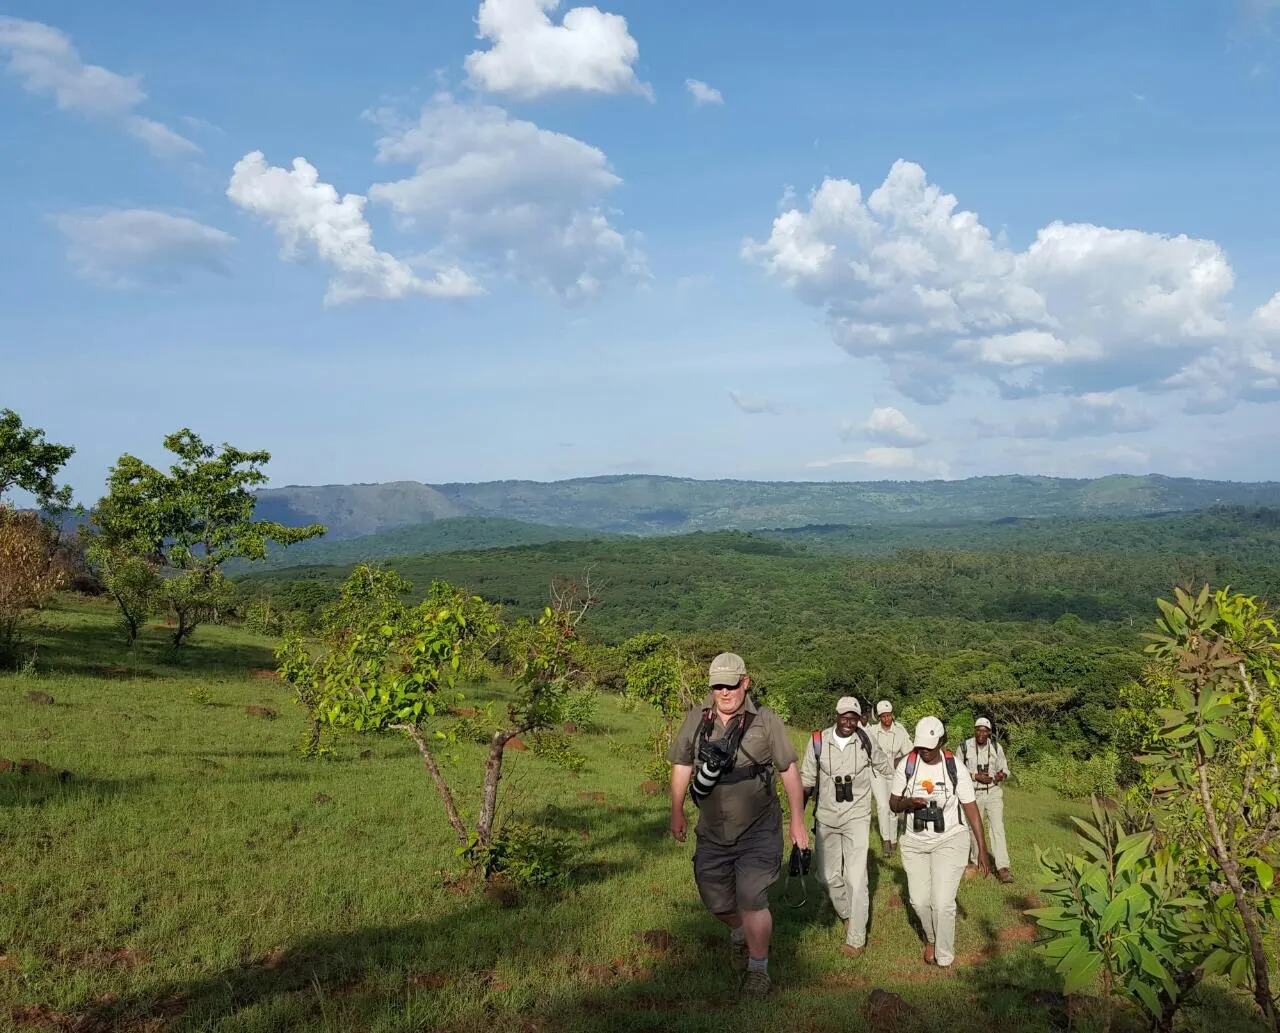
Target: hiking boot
point(1004, 875)
point(739, 955)
point(757, 983)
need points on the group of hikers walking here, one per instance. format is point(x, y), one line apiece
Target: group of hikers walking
point(935, 810)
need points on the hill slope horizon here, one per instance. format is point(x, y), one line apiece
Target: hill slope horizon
point(649, 504)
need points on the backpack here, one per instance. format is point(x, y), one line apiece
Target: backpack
point(949, 758)
point(817, 756)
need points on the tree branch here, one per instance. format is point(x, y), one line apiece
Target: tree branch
point(442, 787)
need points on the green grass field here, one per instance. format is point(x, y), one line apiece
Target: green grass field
point(195, 873)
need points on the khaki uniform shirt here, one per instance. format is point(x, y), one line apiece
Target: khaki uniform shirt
point(731, 810)
point(992, 755)
point(895, 742)
point(833, 761)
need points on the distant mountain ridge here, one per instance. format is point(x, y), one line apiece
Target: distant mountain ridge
point(645, 504)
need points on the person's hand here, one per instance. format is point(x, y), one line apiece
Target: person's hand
point(984, 864)
point(917, 804)
point(679, 826)
point(983, 777)
point(1001, 777)
point(800, 834)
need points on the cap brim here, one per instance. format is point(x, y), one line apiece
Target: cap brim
point(927, 742)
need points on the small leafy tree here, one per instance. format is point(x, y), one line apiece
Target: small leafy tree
point(1121, 913)
point(29, 462)
point(1216, 768)
point(388, 667)
point(191, 520)
point(28, 574)
point(132, 581)
point(657, 672)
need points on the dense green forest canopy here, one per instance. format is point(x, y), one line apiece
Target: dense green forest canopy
point(1044, 607)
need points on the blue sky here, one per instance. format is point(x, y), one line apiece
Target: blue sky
point(853, 240)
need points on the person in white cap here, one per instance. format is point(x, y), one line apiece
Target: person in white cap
point(894, 743)
point(932, 790)
point(837, 771)
point(985, 760)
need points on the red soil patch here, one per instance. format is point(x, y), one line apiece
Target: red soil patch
point(118, 957)
point(596, 797)
point(1018, 934)
point(657, 940)
point(264, 674)
point(516, 744)
point(465, 711)
point(264, 712)
point(650, 788)
point(431, 980)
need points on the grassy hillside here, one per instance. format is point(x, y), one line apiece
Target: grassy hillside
point(450, 534)
point(653, 505)
point(193, 873)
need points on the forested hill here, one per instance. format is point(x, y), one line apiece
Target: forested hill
point(638, 504)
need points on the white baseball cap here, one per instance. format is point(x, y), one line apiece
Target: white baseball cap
point(929, 732)
point(982, 722)
point(847, 705)
point(884, 707)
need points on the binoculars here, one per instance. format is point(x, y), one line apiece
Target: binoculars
point(799, 864)
point(844, 788)
point(929, 815)
point(982, 769)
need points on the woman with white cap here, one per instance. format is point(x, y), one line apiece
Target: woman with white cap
point(894, 743)
point(985, 760)
point(932, 790)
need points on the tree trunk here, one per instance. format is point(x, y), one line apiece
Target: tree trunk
point(1231, 870)
point(492, 775)
point(442, 787)
point(314, 748)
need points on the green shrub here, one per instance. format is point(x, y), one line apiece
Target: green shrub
point(580, 709)
point(558, 748)
point(1073, 777)
point(529, 855)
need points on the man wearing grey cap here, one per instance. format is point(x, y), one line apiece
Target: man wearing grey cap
point(837, 770)
point(984, 757)
point(894, 743)
point(727, 754)
point(932, 789)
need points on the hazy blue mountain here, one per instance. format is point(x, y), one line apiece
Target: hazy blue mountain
point(638, 504)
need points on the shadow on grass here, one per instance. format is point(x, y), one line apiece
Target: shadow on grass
point(96, 649)
point(33, 790)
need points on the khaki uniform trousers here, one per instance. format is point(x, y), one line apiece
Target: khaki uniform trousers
point(842, 868)
point(880, 789)
point(934, 869)
point(991, 807)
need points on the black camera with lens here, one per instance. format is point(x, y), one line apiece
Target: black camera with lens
point(930, 815)
point(844, 788)
point(717, 754)
point(799, 864)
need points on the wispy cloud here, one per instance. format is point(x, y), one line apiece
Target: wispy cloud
point(702, 93)
point(43, 58)
point(753, 405)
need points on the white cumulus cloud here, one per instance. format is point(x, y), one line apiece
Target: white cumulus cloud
point(908, 278)
point(45, 61)
point(308, 215)
point(887, 458)
point(126, 247)
point(702, 93)
point(532, 56)
point(752, 405)
point(885, 426)
point(510, 195)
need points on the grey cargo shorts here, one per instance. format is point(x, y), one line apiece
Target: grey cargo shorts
point(737, 878)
